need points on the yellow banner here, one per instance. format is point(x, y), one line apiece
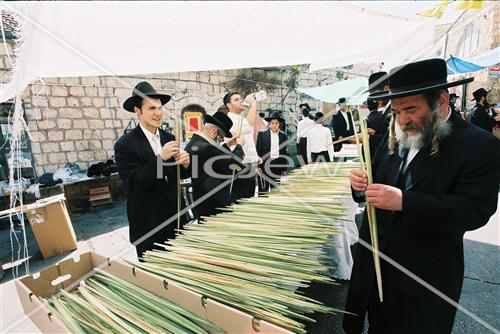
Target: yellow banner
point(436, 11)
point(469, 4)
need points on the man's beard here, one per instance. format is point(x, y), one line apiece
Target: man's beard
point(434, 128)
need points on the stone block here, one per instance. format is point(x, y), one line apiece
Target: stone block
point(87, 134)
point(67, 146)
point(99, 102)
point(55, 135)
point(97, 134)
point(39, 170)
point(36, 147)
point(57, 158)
point(57, 102)
point(74, 134)
point(108, 144)
point(105, 113)
point(94, 144)
point(85, 156)
point(72, 156)
point(38, 136)
point(70, 80)
point(80, 124)
point(122, 92)
point(108, 134)
point(91, 91)
point(50, 147)
point(82, 145)
point(86, 101)
point(39, 102)
point(76, 91)
point(70, 113)
point(100, 155)
point(72, 102)
point(46, 124)
point(96, 124)
point(64, 123)
point(48, 113)
point(103, 91)
point(91, 112)
point(39, 159)
point(59, 90)
point(96, 81)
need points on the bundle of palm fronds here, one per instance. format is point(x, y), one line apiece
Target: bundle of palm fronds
point(254, 256)
point(106, 304)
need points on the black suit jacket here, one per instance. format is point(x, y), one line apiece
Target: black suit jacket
point(381, 130)
point(152, 199)
point(444, 196)
point(339, 126)
point(481, 118)
point(263, 145)
point(207, 160)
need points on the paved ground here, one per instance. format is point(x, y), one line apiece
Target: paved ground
point(105, 230)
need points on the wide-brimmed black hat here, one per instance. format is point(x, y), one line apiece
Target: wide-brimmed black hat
point(275, 115)
point(318, 115)
point(222, 121)
point(141, 89)
point(417, 78)
point(306, 105)
point(478, 93)
point(377, 80)
point(341, 100)
point(454, 95)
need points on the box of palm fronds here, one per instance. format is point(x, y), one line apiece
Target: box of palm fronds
point(93, 294)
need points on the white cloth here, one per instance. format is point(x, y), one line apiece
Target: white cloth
point(319, 140)
point(275, 145)
point(58, 40)
point(346, 118)
point(240, 122)
point(153, 139)
point(303, 128)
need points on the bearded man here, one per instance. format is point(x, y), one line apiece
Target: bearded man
point(435, 177)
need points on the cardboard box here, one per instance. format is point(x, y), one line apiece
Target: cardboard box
point(50, 223)
point(30, 289)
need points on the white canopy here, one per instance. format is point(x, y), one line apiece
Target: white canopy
point(64, 39)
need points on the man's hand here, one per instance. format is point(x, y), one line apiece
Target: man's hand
point(250, 100)
point(169, 150)
point(231, 141)
point(240, 141)
point(360, 139)
point(182, 158)
point(384, 197)
point(359, 182)
point(370, 131)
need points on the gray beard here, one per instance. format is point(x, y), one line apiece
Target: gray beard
point(435, 127)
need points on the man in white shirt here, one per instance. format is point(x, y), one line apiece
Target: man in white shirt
point(245, 128)
point(272, 148)
point(319, 141)
point(303, 128)
point(146, 158)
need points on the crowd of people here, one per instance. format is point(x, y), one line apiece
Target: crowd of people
point(435, 176)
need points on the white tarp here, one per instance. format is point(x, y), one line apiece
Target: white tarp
point(352, 90)
point(63, 39)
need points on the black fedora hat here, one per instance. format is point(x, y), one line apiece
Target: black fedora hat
point(305, 105)
point(144, 89)
point(377, 80)
point(454, 95)
point(318, 115)
point(275, 115)
point(478, 93)
point(341, 100)
point(222, 121)
point(417, 78)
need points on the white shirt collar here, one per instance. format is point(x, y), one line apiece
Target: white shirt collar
point(149, 135)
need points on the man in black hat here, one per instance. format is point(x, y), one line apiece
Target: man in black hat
point(434, 178)
point(303, 128)
point(378, 126)
point(341, 123)
point(272, 148)
point(453, 99)
point(147, 158)
point(319, 141)
point(304, 106)
point(479, 115)
point(212, 162)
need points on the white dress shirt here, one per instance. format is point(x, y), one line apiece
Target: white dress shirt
point(247, 134)
point(344, 114)
point(275, 145)
point(303, 128)
point(153, 139)
point(319, 140)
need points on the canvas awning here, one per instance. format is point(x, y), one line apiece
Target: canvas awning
point(353, 90)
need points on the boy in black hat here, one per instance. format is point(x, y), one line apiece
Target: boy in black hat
point(147, 157)
point(341, 123)
point(211, 163)
point(479, 115)
point(434, 178)
point(272, 148)
point(378, 126)
point(453, 99)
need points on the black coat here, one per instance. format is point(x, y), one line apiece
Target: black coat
point(263, 146)
point(339, 126)
point(202, 151)
point(151, 200)
point(443, 196)
point(381, 130)
point(480, 117)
